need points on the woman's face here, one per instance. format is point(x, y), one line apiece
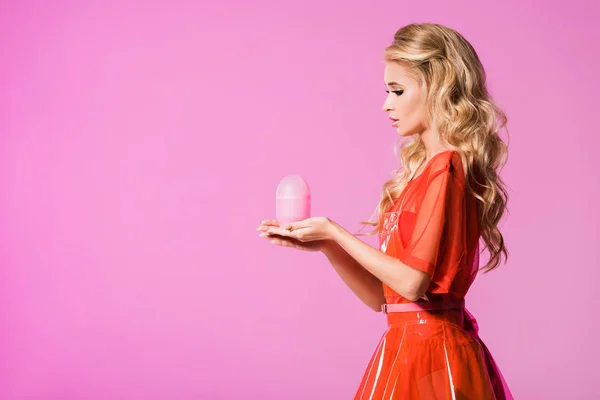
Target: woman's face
point(405, 100)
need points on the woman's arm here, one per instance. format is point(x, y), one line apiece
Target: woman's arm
point(365, 286)
point(408, 282)
point(350, 256)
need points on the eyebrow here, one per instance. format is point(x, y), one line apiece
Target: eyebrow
point(393, 84)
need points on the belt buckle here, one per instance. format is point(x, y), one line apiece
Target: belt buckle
point(384, 308)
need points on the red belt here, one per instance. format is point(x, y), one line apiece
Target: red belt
point(412, 307)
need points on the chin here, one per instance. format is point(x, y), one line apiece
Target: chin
point(408, 132)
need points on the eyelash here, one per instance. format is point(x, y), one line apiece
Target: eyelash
point(396, 92)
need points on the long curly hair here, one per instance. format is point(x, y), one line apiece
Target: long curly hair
point(463, 113)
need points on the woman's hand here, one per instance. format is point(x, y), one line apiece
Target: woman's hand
point(312, 234)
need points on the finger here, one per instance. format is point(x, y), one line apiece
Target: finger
point(266, 224)
point(269, 222)
point(278, 231)
point(299, 224)
point(298, 236)
point(280, 242)
point(284, 242)
point(271, 236)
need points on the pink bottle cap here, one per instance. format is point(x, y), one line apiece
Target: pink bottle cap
point(292, 187)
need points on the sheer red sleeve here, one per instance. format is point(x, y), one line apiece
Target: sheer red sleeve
point(439, 224)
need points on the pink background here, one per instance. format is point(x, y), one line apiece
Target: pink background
point(141, 146)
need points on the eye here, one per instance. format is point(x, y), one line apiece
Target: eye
point(396, 92)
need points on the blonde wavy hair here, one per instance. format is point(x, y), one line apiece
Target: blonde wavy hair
point(462, 111)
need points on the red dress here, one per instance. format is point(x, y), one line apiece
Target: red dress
point(436, 354)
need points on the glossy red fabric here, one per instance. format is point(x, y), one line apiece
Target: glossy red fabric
point(433, 354)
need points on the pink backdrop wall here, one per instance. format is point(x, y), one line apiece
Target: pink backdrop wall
point(141, 146)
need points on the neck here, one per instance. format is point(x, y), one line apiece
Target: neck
point(433, 146)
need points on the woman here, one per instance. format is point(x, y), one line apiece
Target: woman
point(432, 214)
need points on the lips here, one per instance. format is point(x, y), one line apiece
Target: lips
point(394, 121)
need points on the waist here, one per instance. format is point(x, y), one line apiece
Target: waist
point(450, 312)
point(422, 306)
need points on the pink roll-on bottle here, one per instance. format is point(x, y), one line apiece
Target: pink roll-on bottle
point(292, 200)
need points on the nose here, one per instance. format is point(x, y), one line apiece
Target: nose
point(386, 105)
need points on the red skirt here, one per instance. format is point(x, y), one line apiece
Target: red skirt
point(435, 354)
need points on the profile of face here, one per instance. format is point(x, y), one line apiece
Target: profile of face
point(405, 101)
